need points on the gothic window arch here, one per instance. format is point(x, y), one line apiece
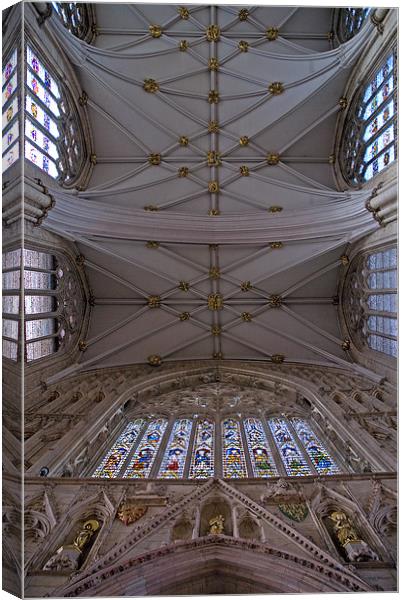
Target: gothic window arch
point(222, 445)
point(76, 17)
point(350, 22)
point(53, 138)
point(371, 300)
point(369, 138)
point(43, 287)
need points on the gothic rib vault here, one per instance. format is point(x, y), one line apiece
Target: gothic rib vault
point(212, 225)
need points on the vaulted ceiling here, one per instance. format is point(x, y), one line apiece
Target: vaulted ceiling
point(212, 225)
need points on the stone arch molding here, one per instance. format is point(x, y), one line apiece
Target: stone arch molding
point(286, 562)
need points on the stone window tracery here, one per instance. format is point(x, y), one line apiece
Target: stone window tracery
point(369, 141)
point(52, 135)
point(44, 288)
point(185, 447)
point(371, 300)
point(74, 16)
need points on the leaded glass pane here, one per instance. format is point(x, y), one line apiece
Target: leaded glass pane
point(36, 350)
point(383, 325)
point(322, 461)
point(10, 329)
point(112, 462)
point(39, 328)
point(10, 349)
point(262, 462)
point(10, 88)
point(12, 259)
point(42, 73)
point(11, 280)
point(41, 140)
point(143, 459)
point(383, 302)
point(10, 157)
point(38, 281)
point(232, 451)
point(38, 260)
point(9, 67)
point(10, 114)
point(202, 462)
point(11, 304)
point(382, 344)
point(291, 455)
point(35, 110)
point(40, 160)
point(176, 451)
point(39, 304)
point(10, 136)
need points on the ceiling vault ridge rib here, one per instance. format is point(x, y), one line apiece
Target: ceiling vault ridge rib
point(309, 278)
point(117, 278)
point(122, 323)
point(311, 325)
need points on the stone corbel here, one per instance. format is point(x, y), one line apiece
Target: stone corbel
point(45, 10)
point(378, 17)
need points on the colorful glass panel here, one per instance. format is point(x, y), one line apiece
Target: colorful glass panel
point(10, 136)
point(232, 450)
point(10, 88)
point(40, 139)
point(260, 454)
point(202, 462)
point(39, 90)
point(42, 73)
point(40, 160)
point(176, 452)
point(144, 457)
point(322, 461)
point(291, 456)
point(10, 157)
point(34, 109)
point(112, 462)
point(9, 67)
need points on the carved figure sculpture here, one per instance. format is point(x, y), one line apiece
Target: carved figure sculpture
point(355, 548)
point(68, 557)
point(216, 525)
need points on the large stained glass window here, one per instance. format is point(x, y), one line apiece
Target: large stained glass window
point(370, 135)
point(142, 461)
point(321, 459)
point(74, 16)
point(260, 454)
point(10, 126)
point(176, 452)
point(113, 461)
point(291, 455)
point(350, 22)
point(202, 458)
point(232, 451)
point(52, 140)
point(141, 452)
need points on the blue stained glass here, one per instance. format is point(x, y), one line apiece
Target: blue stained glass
point(36, 157)
point(41, 73)
point(383, 302)
point(232, 450)
point(9, 68)
point(382, 344)
point(176, 452)
point(291, 455)
point(202, 462)
point(10, 88)
point(322, 461)
point(144, 457)
point(260, 454)
point(112, 462)
point(33, 108)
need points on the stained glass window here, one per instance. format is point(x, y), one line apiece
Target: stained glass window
point(176, 452)
point(322, 461)
point(370, 136)
point(292, 457)
point(74, 17)
point(260, 454)
point(114, 459)
point(142, 461)
point(202, 461)
point(10, 124)
point(233, 452)
point(350, 22)
point(52, 140)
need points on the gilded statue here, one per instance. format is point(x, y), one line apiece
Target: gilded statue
point(216, 525)
point(344, 528)
point(85, 534)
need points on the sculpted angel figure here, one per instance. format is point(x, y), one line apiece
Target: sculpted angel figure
point(216, 524)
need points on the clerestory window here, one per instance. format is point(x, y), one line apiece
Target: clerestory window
point(371, 300)
point(370, 134)
point(203, 447)
point(74, 16)
point(350, 22)
point(45, 286)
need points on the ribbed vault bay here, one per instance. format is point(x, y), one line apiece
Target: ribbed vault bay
point(213, 126)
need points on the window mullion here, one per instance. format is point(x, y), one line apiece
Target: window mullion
point(187, 464)
point(250, 470)
point(300, 445)
point(159, 456)
point(274, 449)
